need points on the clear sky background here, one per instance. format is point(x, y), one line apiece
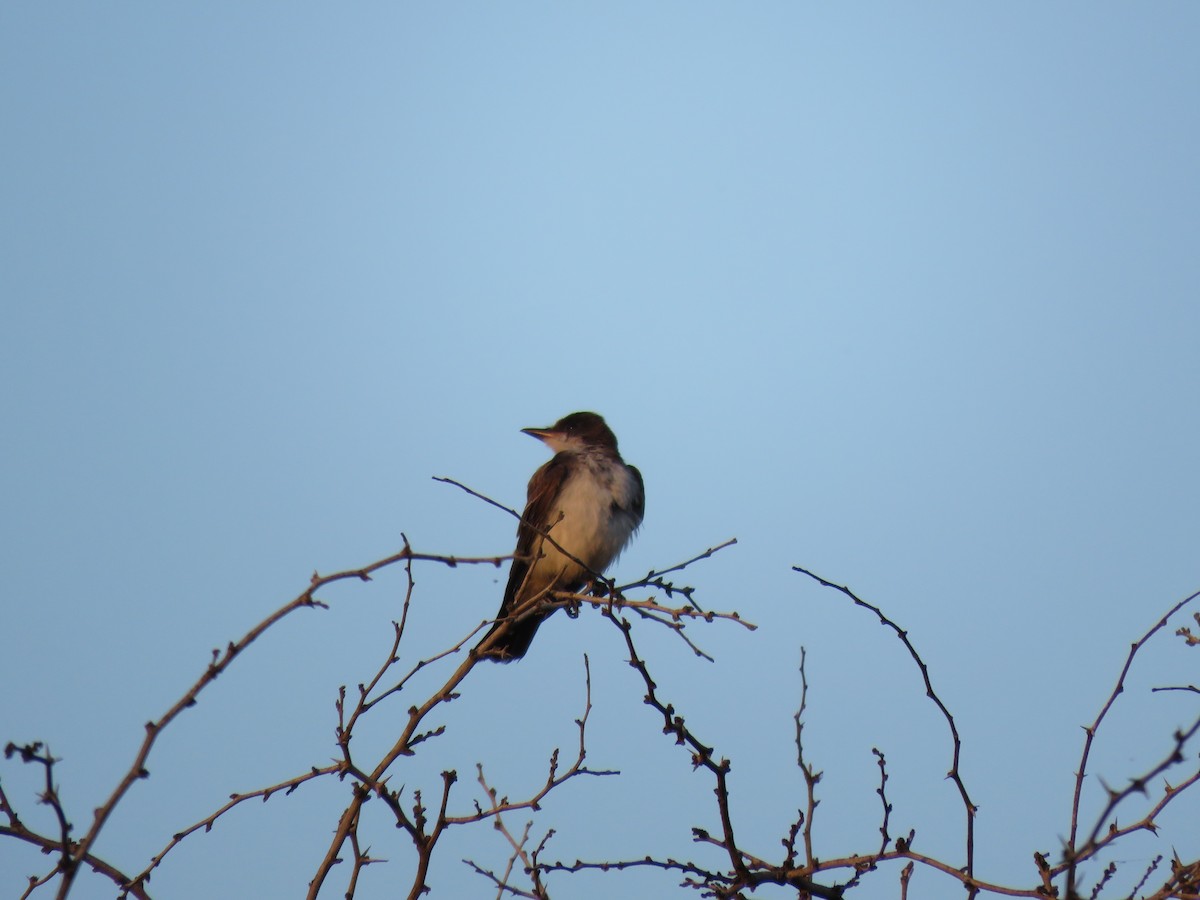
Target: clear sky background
point(905, 294)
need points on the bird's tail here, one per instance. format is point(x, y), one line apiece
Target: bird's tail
point(515, 641)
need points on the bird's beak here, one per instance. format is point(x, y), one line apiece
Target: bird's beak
point(540, 433)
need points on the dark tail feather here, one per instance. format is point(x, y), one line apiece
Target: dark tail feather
point(514, 643)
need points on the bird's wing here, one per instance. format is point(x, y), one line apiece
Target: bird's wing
point(639, 502)
point(544, 488)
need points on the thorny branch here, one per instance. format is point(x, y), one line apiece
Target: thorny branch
point(529, 861)
point(221, 660)
point(374, 782)
point(811, 776)
point(73, 853)
point(742, 871)
point(62, 845)
point(745, 872)
point(500, 804)
point(207, 823)
point(954, 773)
point(1072, 852)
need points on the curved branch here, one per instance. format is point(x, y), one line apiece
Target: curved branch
point(954, 774)
point(1069, 852)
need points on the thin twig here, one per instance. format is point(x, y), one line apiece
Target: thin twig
point(207, 823)
point(1070, 851)
point(811, 776)
point(954, 773)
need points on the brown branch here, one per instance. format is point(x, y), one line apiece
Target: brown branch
point(426, 824)
point(500, 881)
point(426, 841)
point(1109, 871)
point(1070, 852)
point(654, 578)
point(1096, 842)
point(1184, 883)
point(422, 664)
point(811, 776)
point(553, 778)
point(499, 805)
point(50, 845)
point(529, 860)
point(967, 880)
point(799, 877)
point(362, 859)
point(655, 574)
point(374, 782)
point(702, 757)
point(714, 879)
point(35, 883)
point(62, 845)
point(221, 660)
point(887, 807)
point(539, 891)
point(207, 823)
point(674, 613)
point(32, 754)
point(392, 658)
point(722, 883)
point(954, 773)
point(1137, 888)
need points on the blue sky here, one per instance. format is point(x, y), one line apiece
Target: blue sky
point(904, 296)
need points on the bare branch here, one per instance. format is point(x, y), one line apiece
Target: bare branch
point(553, 778)
point(811, 776)
point(287, 787)
point(1070, 852)
point(221, 660)
point(1096, 841)
point(67, 849)
point(63, 845)
point(702, 757)
point(426, 815)
point(954, 773)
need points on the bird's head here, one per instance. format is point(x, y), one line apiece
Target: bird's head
point(575, 433)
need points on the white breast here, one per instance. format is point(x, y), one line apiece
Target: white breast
point(597, 519)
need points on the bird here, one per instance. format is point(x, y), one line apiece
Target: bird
point(590, 503)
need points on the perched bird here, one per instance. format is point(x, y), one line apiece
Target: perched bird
point(589, 502)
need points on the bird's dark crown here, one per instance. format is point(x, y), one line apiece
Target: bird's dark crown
point(586, 428)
